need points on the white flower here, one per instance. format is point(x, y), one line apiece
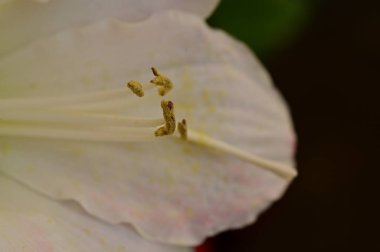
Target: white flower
point(237, 159)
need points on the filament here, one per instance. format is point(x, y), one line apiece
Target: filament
point(94, 97)
point(277, 168)
point(102, 134)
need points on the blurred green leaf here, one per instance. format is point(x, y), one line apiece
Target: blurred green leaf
point(265, 25)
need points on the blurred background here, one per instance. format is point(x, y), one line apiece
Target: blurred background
point(324, 56)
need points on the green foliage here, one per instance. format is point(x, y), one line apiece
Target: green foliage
point(265, 25)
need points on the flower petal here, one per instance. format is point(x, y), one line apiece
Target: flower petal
point(30, 222)
point(170, 190)
point(22, 21)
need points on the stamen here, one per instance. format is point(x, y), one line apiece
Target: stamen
point(162, 81)
point(47, 116)
point(112, 106)
point(96, 116)
point(29, 103)
point(72, 100)
point(102, 134)
point(136, 88)
point(170, 123)
point(182, 129)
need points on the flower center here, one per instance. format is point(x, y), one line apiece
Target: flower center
point(82, 117)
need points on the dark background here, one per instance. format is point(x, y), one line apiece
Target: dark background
point(324, 56)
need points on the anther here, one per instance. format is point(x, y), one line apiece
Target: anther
point(182, 129)
point(136, 88)
point(169, 117)
point(164, 83)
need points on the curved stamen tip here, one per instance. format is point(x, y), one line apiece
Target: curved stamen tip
point(136, 88)
point(164, 83)
point(169, 117)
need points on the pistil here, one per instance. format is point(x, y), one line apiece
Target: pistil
point(277, 168)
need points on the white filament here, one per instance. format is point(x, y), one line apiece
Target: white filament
point(94, 97)
point(279, 169)
point(84, 117)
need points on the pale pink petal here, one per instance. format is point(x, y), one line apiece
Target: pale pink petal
point(30, 222)
point(170, 190)
point(22, 21)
